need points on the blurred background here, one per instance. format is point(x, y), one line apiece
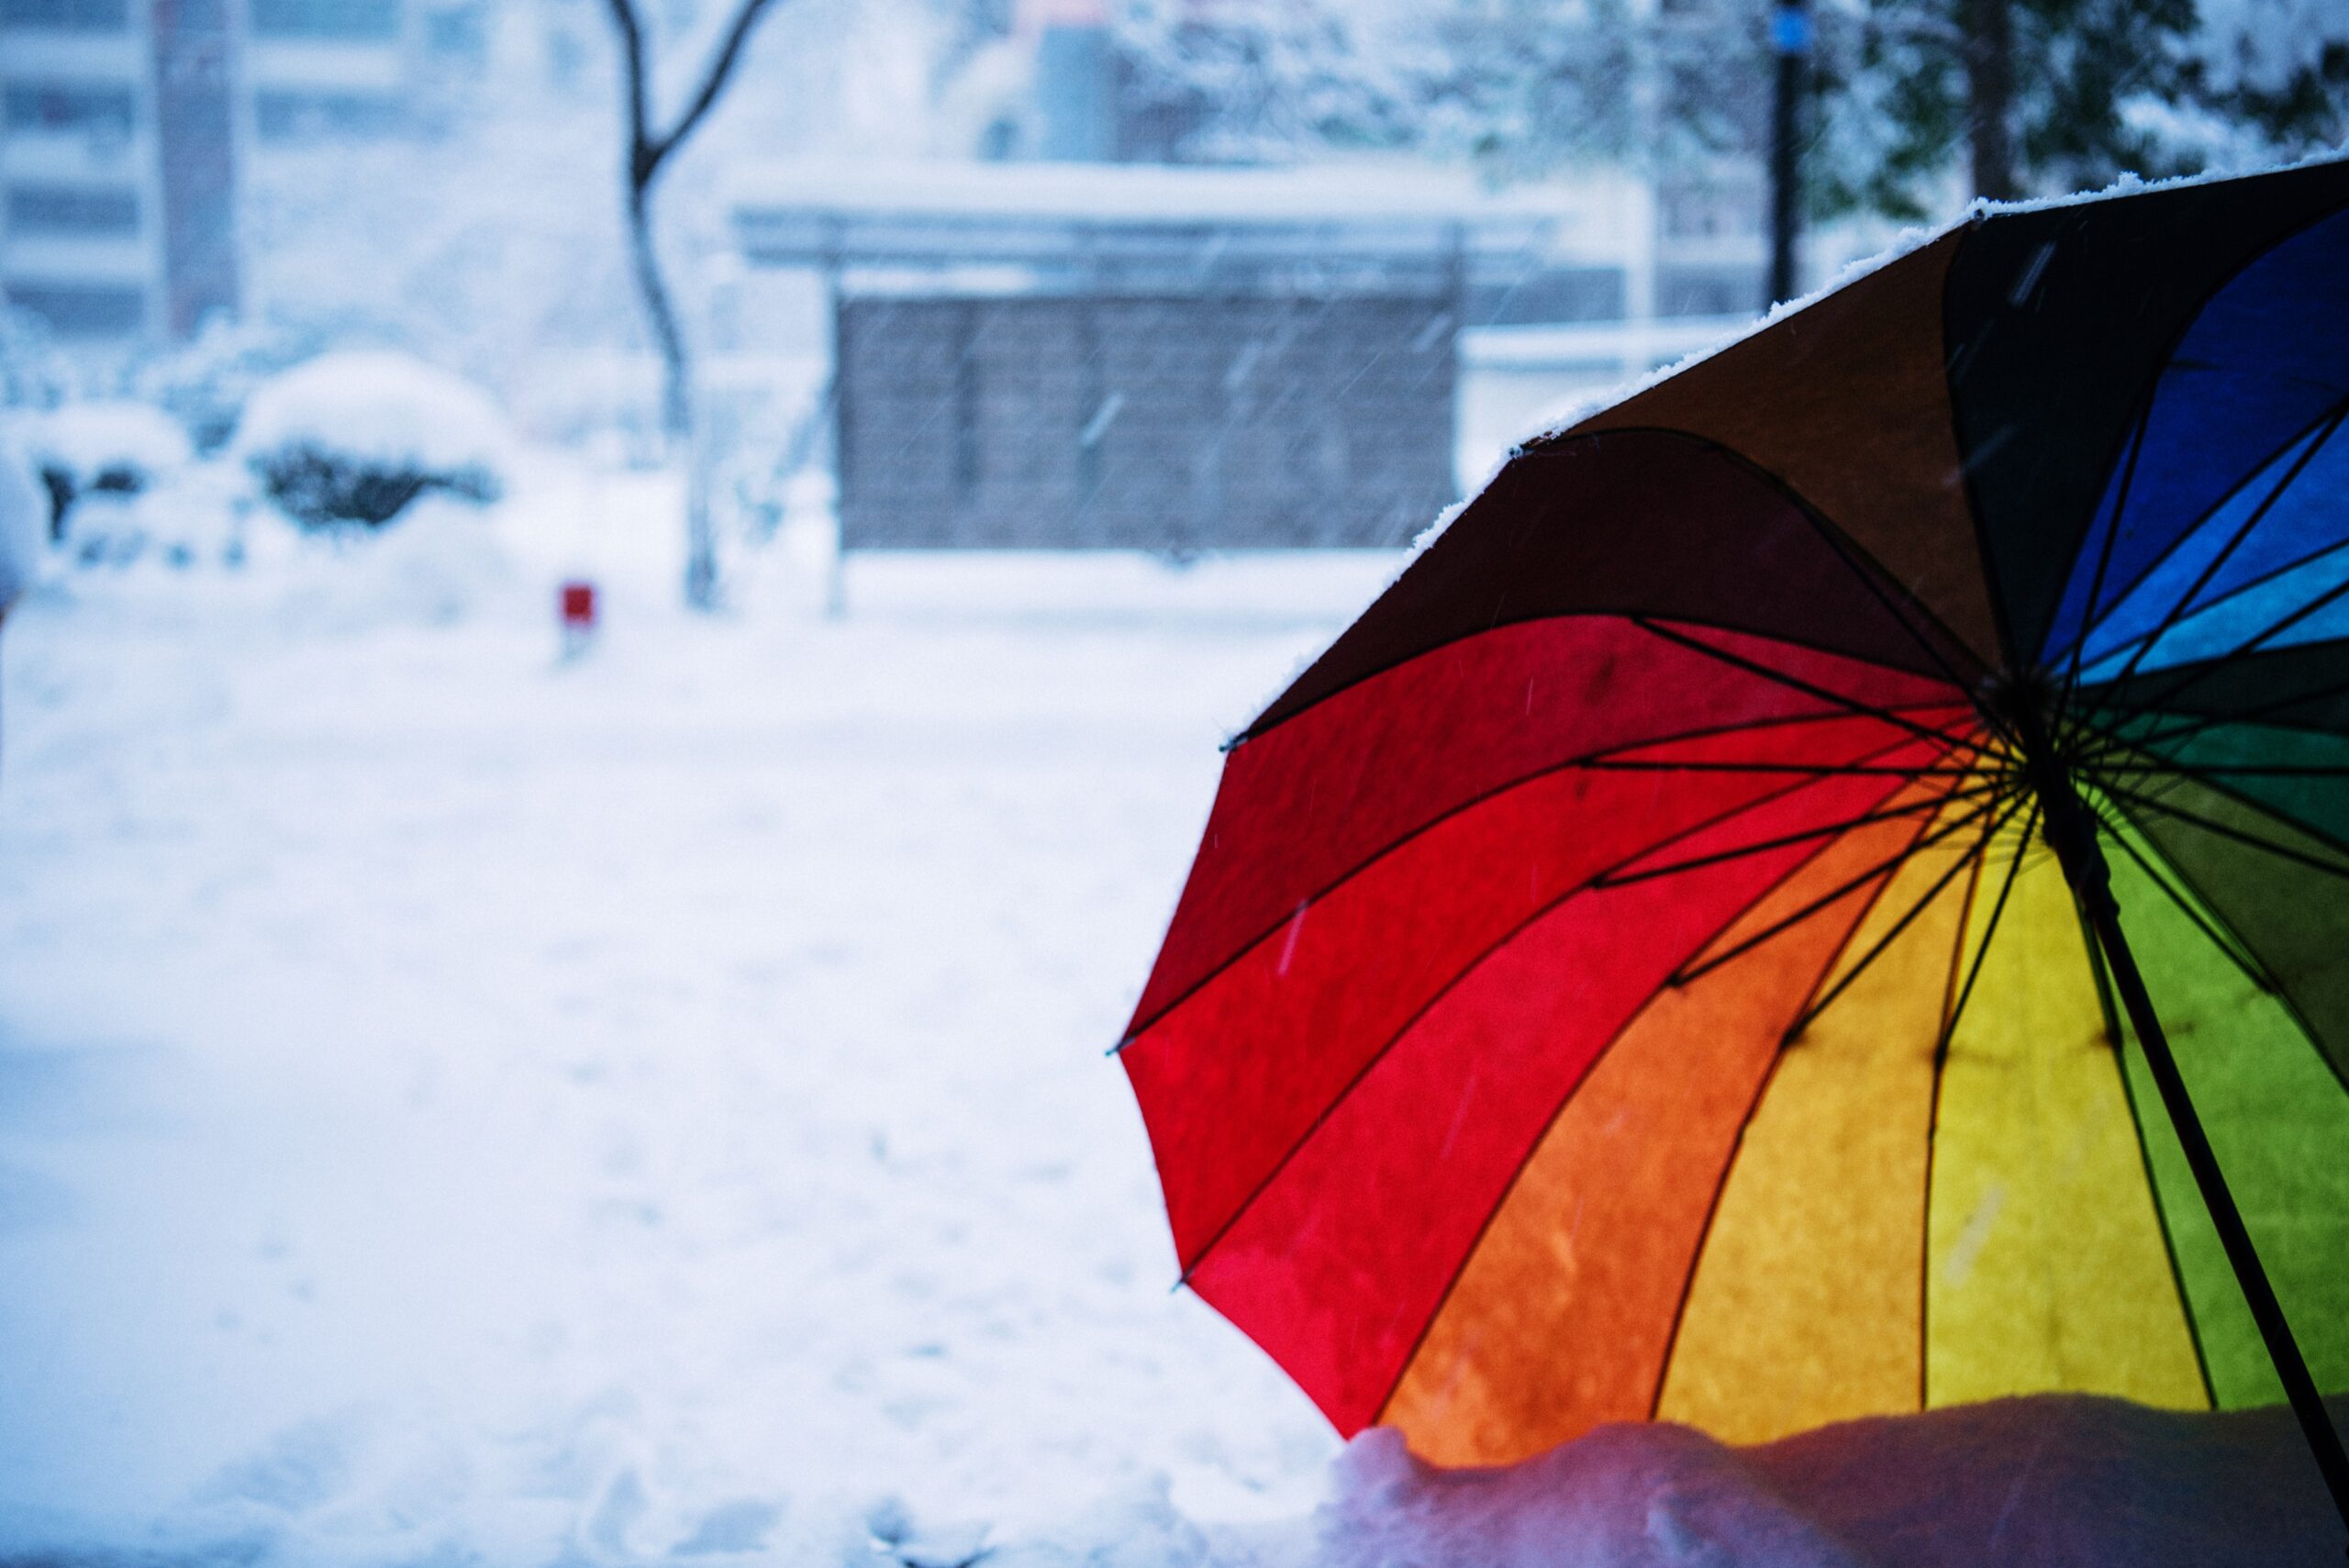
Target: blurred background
point(1092, 272)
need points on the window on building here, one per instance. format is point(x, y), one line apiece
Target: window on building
point(1711, 213)
point(1709, 290)
point(1549, 296)
point(66, 16)
point(73, 109)
point(338, 19)
point(72, 212)
point(283, 115)
point(82, 310)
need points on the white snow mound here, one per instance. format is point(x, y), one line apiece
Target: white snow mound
point(376, 404)
point(86, 439)
point(2052, 1480)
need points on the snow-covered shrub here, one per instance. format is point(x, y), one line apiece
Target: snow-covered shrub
point(191, 516)
point(34, 372)
point(348, 440)
point(102, 449)
point(22, 528)
point(204, 381)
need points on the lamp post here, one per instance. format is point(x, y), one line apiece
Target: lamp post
point(1790, 42)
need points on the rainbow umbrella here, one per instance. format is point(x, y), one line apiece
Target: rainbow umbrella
point(1825, 890)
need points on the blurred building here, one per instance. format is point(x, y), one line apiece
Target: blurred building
point(1619, 275)
point(125, 126)
point(1186, 359)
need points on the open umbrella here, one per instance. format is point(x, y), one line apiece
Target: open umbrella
point(1825, 891)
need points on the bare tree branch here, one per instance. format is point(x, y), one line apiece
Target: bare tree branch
point(721, 66)
point(632, 53)
point(646, 154)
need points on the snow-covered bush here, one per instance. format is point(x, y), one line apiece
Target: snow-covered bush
point(22, 528)
point(102, 449)
point(204, 381)
point(191, 517)
point(348, 440)
point(34, 373)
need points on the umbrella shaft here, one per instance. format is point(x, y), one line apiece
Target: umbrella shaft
point(2093, 882)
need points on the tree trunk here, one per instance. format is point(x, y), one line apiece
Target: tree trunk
point(646, 154)
point(1990, 87)
point(676, 396)
point(1790, 42)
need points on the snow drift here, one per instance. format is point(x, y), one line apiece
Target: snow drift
point(457, 1106)
point(2053, 1480)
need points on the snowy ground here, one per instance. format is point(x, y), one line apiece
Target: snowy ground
point(450, 1100)
point(457, 1106)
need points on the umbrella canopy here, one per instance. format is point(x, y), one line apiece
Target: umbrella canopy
point(1658, 962)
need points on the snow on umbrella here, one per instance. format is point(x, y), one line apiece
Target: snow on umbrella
point(1662, 960)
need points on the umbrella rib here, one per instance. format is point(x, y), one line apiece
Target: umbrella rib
point(1886, 813)
point(1953, 1000)
point(2006, 810)
point(1475, 961)
point(1501, 621)
point(1558, 1111)
point(2111, 753)
point(1925, 837)
point(2195, 723)
point(1932, 1120)
point(2153, 803)
point(1713, 1208)
point(1815, 770)
point(2330, 416)
point(2101, 967)
point(1989, 929)
point(1848, 551)
point(2101, 772)
point(2159, 765)
point(1593, 760)
point(2225, 942)
point(1823, 693)
point(1728, 1161)
point(2250, 645)
point(2223, 936)
point(2104, 556)
point(1856, 560)
point(2140, 645)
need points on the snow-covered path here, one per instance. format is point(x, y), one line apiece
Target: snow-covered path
point(452, 1102)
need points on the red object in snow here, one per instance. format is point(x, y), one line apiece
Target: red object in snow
point(578, 606)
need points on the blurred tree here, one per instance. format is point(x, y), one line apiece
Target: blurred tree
point(1919, 101)
point(2047, 96)
point(1514, 84)
point(648, 151)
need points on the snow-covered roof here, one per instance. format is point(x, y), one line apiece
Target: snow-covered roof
point(375, 404)
point(914, 214)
